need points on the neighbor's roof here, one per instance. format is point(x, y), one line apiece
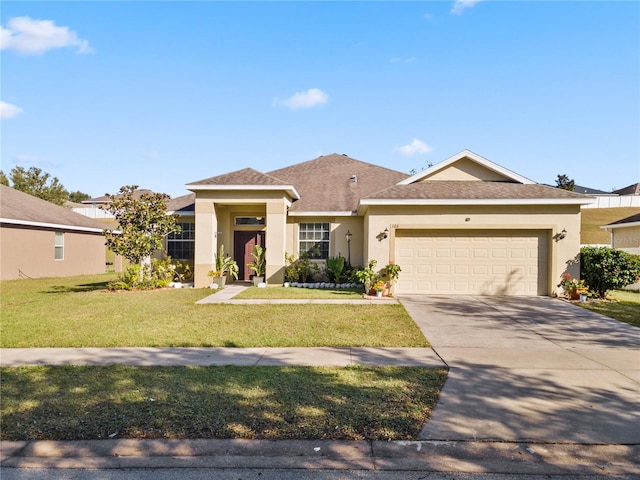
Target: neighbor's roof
point(590, 191)
point(335, 183)
point(465, 192)
point(632, 221)
point(630, 190)
point(20, 208)
point(105, 199)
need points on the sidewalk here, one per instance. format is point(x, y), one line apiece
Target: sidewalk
point(205, 356)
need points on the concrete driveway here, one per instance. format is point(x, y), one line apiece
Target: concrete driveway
point(531, 369)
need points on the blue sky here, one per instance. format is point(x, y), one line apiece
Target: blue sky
point(160, 94)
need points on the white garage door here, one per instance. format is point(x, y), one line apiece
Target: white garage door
point(502, 262)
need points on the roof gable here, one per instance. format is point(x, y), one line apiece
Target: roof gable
point(245, 179)
point(335, 183)
point(20, 208)
point(467, 166)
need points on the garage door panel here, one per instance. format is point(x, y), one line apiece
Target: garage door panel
point(498, 262)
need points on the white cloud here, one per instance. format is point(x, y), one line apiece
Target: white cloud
point(28, 36)
point(416, 147)
point(460, 5)
point(308, 99)
point(7, 110)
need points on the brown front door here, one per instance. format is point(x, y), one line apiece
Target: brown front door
point(243, 243)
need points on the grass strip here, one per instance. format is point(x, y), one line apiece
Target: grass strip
point(356, 403)
point(279, 293)
point(623, 305)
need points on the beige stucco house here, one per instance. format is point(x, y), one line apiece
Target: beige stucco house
point(40, 239)
point(625, 234)
point(463, 226)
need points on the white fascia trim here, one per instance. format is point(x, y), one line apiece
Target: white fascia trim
point(475, 201)
point(473, 156)
point(182, 214)
point(288, 188)
point(56, 226)
point(621, 225)
point(323, 214)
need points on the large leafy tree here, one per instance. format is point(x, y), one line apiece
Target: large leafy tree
point(39, 184)
point(565, 183)
point(78, 196)
point(143, 223)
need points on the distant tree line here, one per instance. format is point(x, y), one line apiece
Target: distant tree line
point(42, 185)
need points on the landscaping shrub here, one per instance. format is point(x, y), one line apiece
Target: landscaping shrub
point(605, 268)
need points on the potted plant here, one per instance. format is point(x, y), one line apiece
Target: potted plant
point(378, 287)
point(259, 264)
point(573, 287)
point(223, 265)
point(391, 272)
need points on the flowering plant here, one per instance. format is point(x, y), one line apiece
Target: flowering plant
point(571, 285)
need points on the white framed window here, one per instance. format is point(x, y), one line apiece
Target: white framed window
point(180, 246)
point(314, 240)
point(59, 246)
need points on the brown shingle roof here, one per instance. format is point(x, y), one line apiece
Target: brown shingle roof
point(246, 176)
point(16, 205)
point(185, 203)
point(325, 183)
point(468, 190)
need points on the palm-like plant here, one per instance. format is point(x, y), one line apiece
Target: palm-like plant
point(259, 264)
point(223, 265)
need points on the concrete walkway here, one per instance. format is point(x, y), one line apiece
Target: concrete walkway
point(531, 369)
point(203, 356)
point(227, 295)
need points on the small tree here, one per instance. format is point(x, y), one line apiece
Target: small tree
point(143, 223)
point(3, 179)
point(39, 184)
point(605, 268)
point(565, 183)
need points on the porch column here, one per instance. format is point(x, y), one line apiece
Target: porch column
point(206, 242)
point(276, 243)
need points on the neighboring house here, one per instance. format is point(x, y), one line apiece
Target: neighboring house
point(40, 239)
point(465, 225)
point(623, 197)
point(625, 234)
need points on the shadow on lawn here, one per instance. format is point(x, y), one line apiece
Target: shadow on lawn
point(67, 403)
point(82, 287)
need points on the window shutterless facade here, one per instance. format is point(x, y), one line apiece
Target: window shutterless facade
point(180, 246)
point(314, 240)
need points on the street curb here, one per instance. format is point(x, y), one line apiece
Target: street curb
point(441, 456)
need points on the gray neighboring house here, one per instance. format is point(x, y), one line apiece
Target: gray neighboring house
point(40, 239)
point(625, 234)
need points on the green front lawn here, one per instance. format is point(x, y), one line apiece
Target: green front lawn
point(79, 312)
point(71, 403)
point(623, 305)
point(278, 293)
